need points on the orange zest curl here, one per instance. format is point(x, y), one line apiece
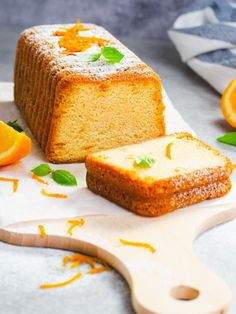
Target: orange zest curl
point(73, 42)
point(79, 259)
point(76, 28)
point(78, 43)
point(61, 284)
point(56, 195)
point(75, 264)
point(14, 181)
point(40, 180)
point(168, 150)
point(96, 270)
point(76, 260)
point(82, 259)
point(75, 223)
point(42, 231)
point(139, 244)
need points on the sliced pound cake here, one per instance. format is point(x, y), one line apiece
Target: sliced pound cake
point(77, 101)
point(158, 176)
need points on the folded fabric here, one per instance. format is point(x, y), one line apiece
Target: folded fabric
point(205, 37)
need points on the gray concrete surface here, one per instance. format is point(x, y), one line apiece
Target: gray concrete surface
point(23, 269)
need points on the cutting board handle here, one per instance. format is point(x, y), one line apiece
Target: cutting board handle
point(170, 281)
point(188, 289)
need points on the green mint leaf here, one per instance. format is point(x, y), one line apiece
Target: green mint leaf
point(94, 57)
point(42, 170)
point(228, 138)
point(111, 54)
point(64, 177)
point(15, 126)
point(145, 161)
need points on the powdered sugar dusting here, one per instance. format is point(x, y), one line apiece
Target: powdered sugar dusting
point(78, 63)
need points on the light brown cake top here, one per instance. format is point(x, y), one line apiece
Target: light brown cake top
point(169, 156)
point(43, 38)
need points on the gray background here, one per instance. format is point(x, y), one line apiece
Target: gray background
point(135, 23)
point(139, 18)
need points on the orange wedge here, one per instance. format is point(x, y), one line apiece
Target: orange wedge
point(14, 145)
point(228, 103)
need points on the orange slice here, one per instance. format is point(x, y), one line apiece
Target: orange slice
point(228, 103)
point(14, 145)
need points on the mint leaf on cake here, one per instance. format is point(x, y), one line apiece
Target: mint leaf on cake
point(111, 54)
point(145, 161)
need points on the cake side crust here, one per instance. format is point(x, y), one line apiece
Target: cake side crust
point(158, 206)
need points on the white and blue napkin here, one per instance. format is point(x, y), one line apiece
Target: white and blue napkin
point(205, 37)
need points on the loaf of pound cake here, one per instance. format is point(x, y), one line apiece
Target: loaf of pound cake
point(76, 99)
point(160, 175)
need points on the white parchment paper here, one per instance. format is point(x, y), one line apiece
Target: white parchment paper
point(29, 204)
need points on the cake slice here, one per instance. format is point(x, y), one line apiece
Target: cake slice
point(76, 102)
point(158, 176)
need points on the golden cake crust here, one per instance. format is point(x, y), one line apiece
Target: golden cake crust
point(45, 79)
point(158, 206)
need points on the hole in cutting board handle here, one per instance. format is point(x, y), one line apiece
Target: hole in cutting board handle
point(184, 293)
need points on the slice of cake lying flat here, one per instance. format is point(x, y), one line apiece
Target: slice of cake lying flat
point(158, 176)
point(80, 91)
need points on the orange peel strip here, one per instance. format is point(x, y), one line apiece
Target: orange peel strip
point(75, 264)
point(168, 150)
point(139, 244)
point(61, 284)
point(75, 223)
point(14, 181)
point(71, 40)
point(79, 257)
point(96, 270)
point(35, 177)
point(42, 231)
point(56, 195)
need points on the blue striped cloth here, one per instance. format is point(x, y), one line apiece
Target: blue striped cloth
point(205, 37)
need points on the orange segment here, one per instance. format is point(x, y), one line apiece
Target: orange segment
point(13, 145)
point(228, 103)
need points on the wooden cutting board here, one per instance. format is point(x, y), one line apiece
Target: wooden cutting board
point(171, 280)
